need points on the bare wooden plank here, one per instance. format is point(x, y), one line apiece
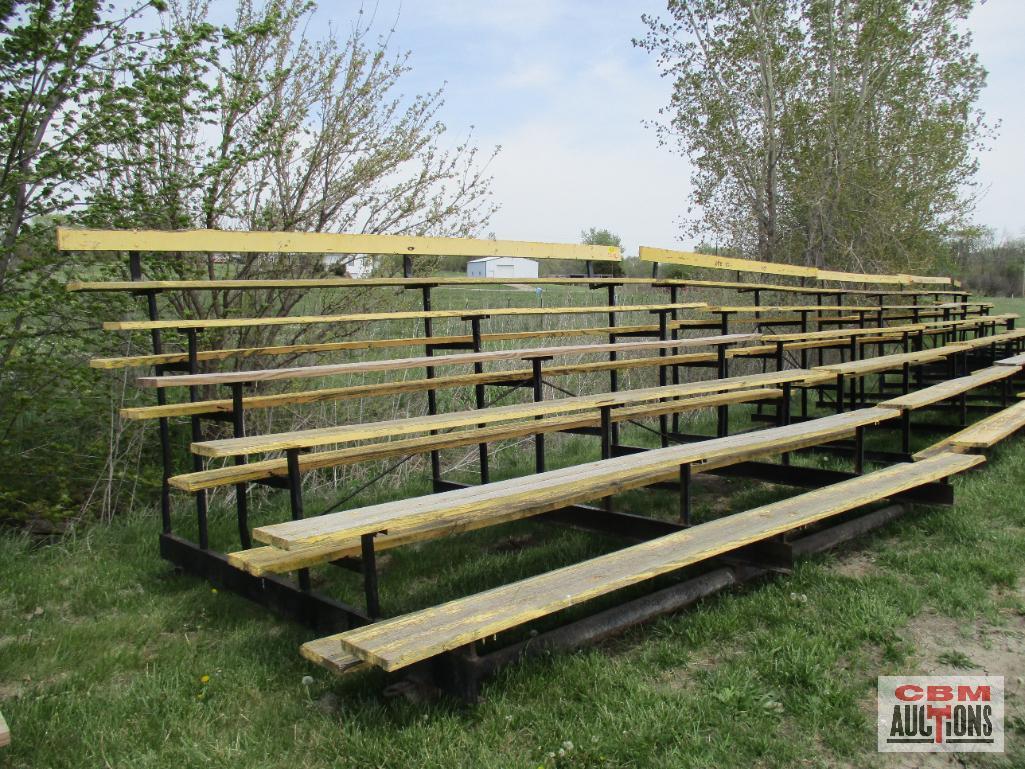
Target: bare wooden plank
point(344, 433)
point(434, 361)
point(396, 643)
point(982, 435)
point(5, 732)
point(949, 389)
point(238, 242)
point(368, 317)
point(512, 499)
point(330, 655)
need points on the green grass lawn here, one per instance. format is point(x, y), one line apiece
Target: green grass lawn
point(110, 658)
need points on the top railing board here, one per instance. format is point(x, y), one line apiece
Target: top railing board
point(714, 262)
point(227, 241)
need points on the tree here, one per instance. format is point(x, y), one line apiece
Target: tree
point(249, 126)
point(832, 132)
point(260, 127)
point(602, 237)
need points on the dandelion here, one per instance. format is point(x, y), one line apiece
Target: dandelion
point(307, 680)
point(204, 679)
point(567, 745)
point(562, 752)
point(213, 590)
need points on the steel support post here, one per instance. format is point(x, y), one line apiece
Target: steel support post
point(479, 392)
point(539, 395)
point(295, 499)
point(368, 564)
point(432, 395)
point(238, 423)
point(197, 435)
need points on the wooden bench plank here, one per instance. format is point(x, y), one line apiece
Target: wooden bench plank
point(229, 475)
point(328, 394)
point(367, 317)
point(927, 396)
point(271, 283)
point(329, 654)
point(510, 500)
point(247, 242)
point(301, 439)
point(982, 435)
point(883, 362)
point(5, 732)
point(1016, 361)
point(435, 361)
point(396, 643)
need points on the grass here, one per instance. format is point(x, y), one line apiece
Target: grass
point(110, 658)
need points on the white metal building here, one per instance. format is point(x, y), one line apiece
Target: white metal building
point(501, 267)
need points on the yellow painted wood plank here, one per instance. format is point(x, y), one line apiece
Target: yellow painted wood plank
point(838, 333)
point(883, 362)
point(396, 643)
point(1015, 361)
point(435, 361)
point(857, 277)
point(949, 389)
point(328, 654)
point(366, 317)
point(934, 280)
point(260, 284)
point(344, 433)
point(226, 241)
point(330, 394)
point(691, 259)
point(982, 435)
point(512, 499)
point(233, 474)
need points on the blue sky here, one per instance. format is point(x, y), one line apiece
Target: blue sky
point(558, 84)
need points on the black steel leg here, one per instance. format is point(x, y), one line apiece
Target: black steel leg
point(368, 561)
point(295, 498)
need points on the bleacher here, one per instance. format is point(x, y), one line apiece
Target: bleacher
point(653, 366)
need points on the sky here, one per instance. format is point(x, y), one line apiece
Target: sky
point(558, 85)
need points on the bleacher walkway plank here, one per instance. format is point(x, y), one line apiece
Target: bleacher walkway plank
point(983, 434)
point(303, 439)
point(517, 498)
point(232, 474)
point(399, 642)
point(945, 390)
